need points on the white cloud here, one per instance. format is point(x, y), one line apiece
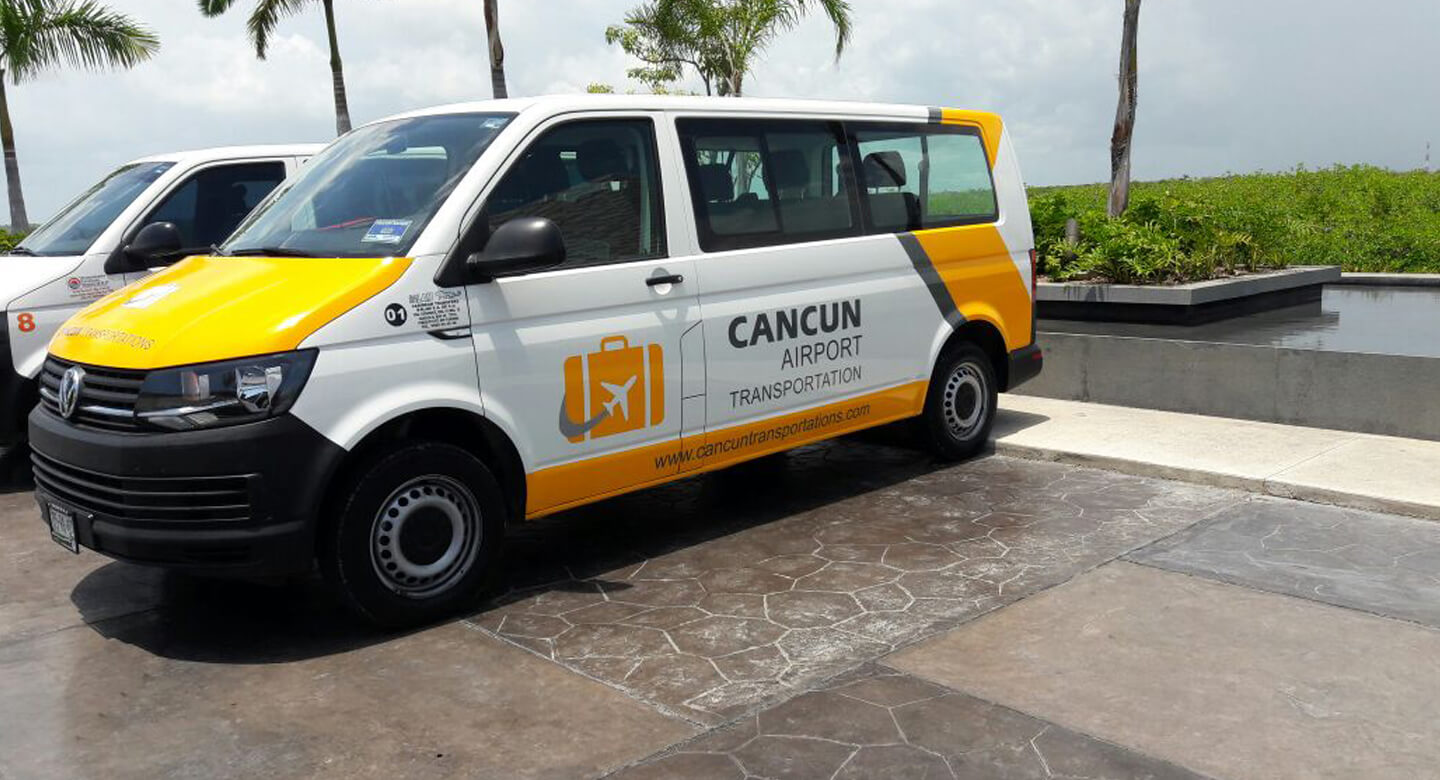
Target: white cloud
point(1224, 84)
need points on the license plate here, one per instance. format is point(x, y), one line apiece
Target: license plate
point(62, 526)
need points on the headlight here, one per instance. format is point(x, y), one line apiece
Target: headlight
point(215, 394)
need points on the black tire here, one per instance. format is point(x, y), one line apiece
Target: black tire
point(960, 404)
point(415, 535)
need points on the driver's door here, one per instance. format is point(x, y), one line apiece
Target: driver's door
point(583, 364)
point(209, 203)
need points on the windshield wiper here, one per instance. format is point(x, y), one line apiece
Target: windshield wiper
point(269, 251)
point(20, 250)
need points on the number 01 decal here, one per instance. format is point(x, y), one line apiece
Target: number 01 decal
point(25, 321)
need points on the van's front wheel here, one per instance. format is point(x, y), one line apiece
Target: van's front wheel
point(416, 535)
point(960, 403)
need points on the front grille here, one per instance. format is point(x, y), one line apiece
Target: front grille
point(107, 396)
point(145, 500)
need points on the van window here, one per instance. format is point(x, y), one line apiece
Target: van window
point(210, 205)
point(371, 192)
point(76, 227)
point(923, 176)
point(766, 182)
point(598, 181)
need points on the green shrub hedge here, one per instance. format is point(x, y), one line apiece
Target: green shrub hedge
point(1360, 217)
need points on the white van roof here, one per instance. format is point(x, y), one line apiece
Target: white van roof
point(233, 152)
point(601, 102)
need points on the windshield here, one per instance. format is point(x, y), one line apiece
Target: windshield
point(76, 227)
point(370, 193)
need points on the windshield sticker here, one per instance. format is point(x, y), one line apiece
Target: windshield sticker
point(386, 231)
point(147, 298)
point(89, 288)
point(493, 122)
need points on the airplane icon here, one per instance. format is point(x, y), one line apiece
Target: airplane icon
point(619, 396)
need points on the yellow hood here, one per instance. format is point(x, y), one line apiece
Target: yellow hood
point(214, 308)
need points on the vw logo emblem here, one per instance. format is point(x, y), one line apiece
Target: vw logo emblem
point(70, 383)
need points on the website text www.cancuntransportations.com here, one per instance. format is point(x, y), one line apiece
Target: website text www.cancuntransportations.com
point(761, 437)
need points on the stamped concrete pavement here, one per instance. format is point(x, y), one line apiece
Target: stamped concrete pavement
point(708, 631)
point(851, 610)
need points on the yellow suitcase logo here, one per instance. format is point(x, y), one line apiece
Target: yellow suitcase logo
point(616, 389)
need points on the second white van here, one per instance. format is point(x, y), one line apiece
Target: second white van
point(96, 244)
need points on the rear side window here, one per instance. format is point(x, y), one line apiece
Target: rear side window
point(923, 176)
point(767, 182)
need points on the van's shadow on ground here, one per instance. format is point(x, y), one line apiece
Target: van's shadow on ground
point(219, 621)
point(15, 473)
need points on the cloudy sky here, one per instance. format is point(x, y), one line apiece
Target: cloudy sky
point(1225, 85)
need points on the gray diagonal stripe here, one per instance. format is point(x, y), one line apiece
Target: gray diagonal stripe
point(933, 282)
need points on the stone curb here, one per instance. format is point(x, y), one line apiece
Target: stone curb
point(1355, 279)
point(1191, 294)
point(1270, 487)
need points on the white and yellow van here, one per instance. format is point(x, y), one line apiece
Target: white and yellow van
point(145, 214)
point(467, 316)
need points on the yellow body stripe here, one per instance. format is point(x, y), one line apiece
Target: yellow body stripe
point(583, 482)
point(214, 308)
point(982, 279)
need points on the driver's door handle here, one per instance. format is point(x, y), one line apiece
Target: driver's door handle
point(656, 281)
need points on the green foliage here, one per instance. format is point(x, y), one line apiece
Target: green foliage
point(263, 20)
point(8, 239)
point(36, 35)
point(719, 39)
point(1360, 217)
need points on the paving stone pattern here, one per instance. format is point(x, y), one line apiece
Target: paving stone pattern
point(875, 548)
point(878, 723)
point(1383, 564)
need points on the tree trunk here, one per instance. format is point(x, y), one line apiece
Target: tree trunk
point(337, 72)
point(497, 51)
point(1124, 115)
point(19, 223)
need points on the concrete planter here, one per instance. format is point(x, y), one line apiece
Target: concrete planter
point(1184, 304)
point(1392, 395)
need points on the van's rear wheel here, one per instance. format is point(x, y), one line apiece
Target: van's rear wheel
point(960, 404)
point(416, 535)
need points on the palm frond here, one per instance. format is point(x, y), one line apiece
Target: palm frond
point(266, 15)
point(39, 34)
point(214, 7)
point(839, 13)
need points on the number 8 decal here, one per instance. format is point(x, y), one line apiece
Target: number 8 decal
point(25, 321)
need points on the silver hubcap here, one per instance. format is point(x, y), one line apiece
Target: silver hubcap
point(965, 400)
point(425, 536)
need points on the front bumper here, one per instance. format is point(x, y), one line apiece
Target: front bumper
point(1025, 365)
point(240, 501)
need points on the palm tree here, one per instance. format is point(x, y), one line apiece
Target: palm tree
point(497, 52)
point(1119, 198)
point(36, 35)
point(263, 19)
point(719, 39)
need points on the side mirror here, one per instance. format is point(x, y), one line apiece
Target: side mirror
point(155, 244)
point(522, 245)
